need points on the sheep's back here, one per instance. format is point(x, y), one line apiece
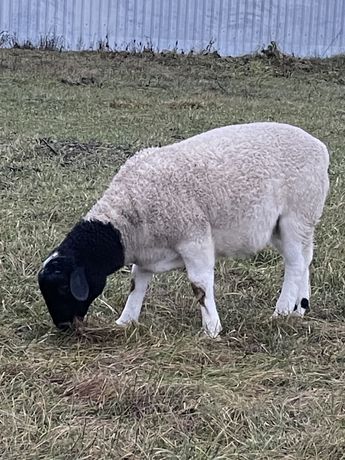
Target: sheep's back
point(235, 179)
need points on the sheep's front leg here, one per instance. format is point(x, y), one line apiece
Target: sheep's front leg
point(199, 260)
point(204, 295)
point(139, 283)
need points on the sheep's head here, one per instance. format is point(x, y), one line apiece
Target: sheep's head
point(75, 273)
point(68, 290)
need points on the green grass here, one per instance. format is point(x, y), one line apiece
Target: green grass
point(265, 390)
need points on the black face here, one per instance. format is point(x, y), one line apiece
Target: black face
point(75, 274)
point(67, 290)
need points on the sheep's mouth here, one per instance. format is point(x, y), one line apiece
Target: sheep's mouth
point(78, 321)
point(65, 326)
point(75, 324)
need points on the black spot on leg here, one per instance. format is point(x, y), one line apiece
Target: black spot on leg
point(132, 285)
point(276, 229)
point(305, 304)
point(199, 294)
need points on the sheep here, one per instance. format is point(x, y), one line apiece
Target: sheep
point(228, 192)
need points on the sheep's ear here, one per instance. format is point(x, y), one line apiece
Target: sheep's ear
point(79, 285)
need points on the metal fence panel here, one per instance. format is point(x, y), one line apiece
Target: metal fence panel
point(235, 27)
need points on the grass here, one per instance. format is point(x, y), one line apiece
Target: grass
point(265, 390)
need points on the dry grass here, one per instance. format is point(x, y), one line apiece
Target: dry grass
point(265, 390)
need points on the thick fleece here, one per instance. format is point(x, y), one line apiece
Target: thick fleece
point(227, 192)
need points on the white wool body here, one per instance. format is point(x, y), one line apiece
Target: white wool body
point(230, 192)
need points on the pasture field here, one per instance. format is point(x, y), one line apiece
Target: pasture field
point(265, 390)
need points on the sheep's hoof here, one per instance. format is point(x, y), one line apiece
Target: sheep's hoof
point(215, 338)
point(298, 312)
point(281, 313)
point(123, 324)
point(204, 335)
point(212, 332)
point(277, 314)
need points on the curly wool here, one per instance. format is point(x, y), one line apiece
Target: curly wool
point(236, 181)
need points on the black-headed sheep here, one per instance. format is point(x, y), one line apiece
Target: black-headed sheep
point(230, 191)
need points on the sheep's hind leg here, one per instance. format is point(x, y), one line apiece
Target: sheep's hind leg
point(199, 260)
point(290, 245)
point(139, 283)
point(302, 305)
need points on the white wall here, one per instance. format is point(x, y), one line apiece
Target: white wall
point(302, 27)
